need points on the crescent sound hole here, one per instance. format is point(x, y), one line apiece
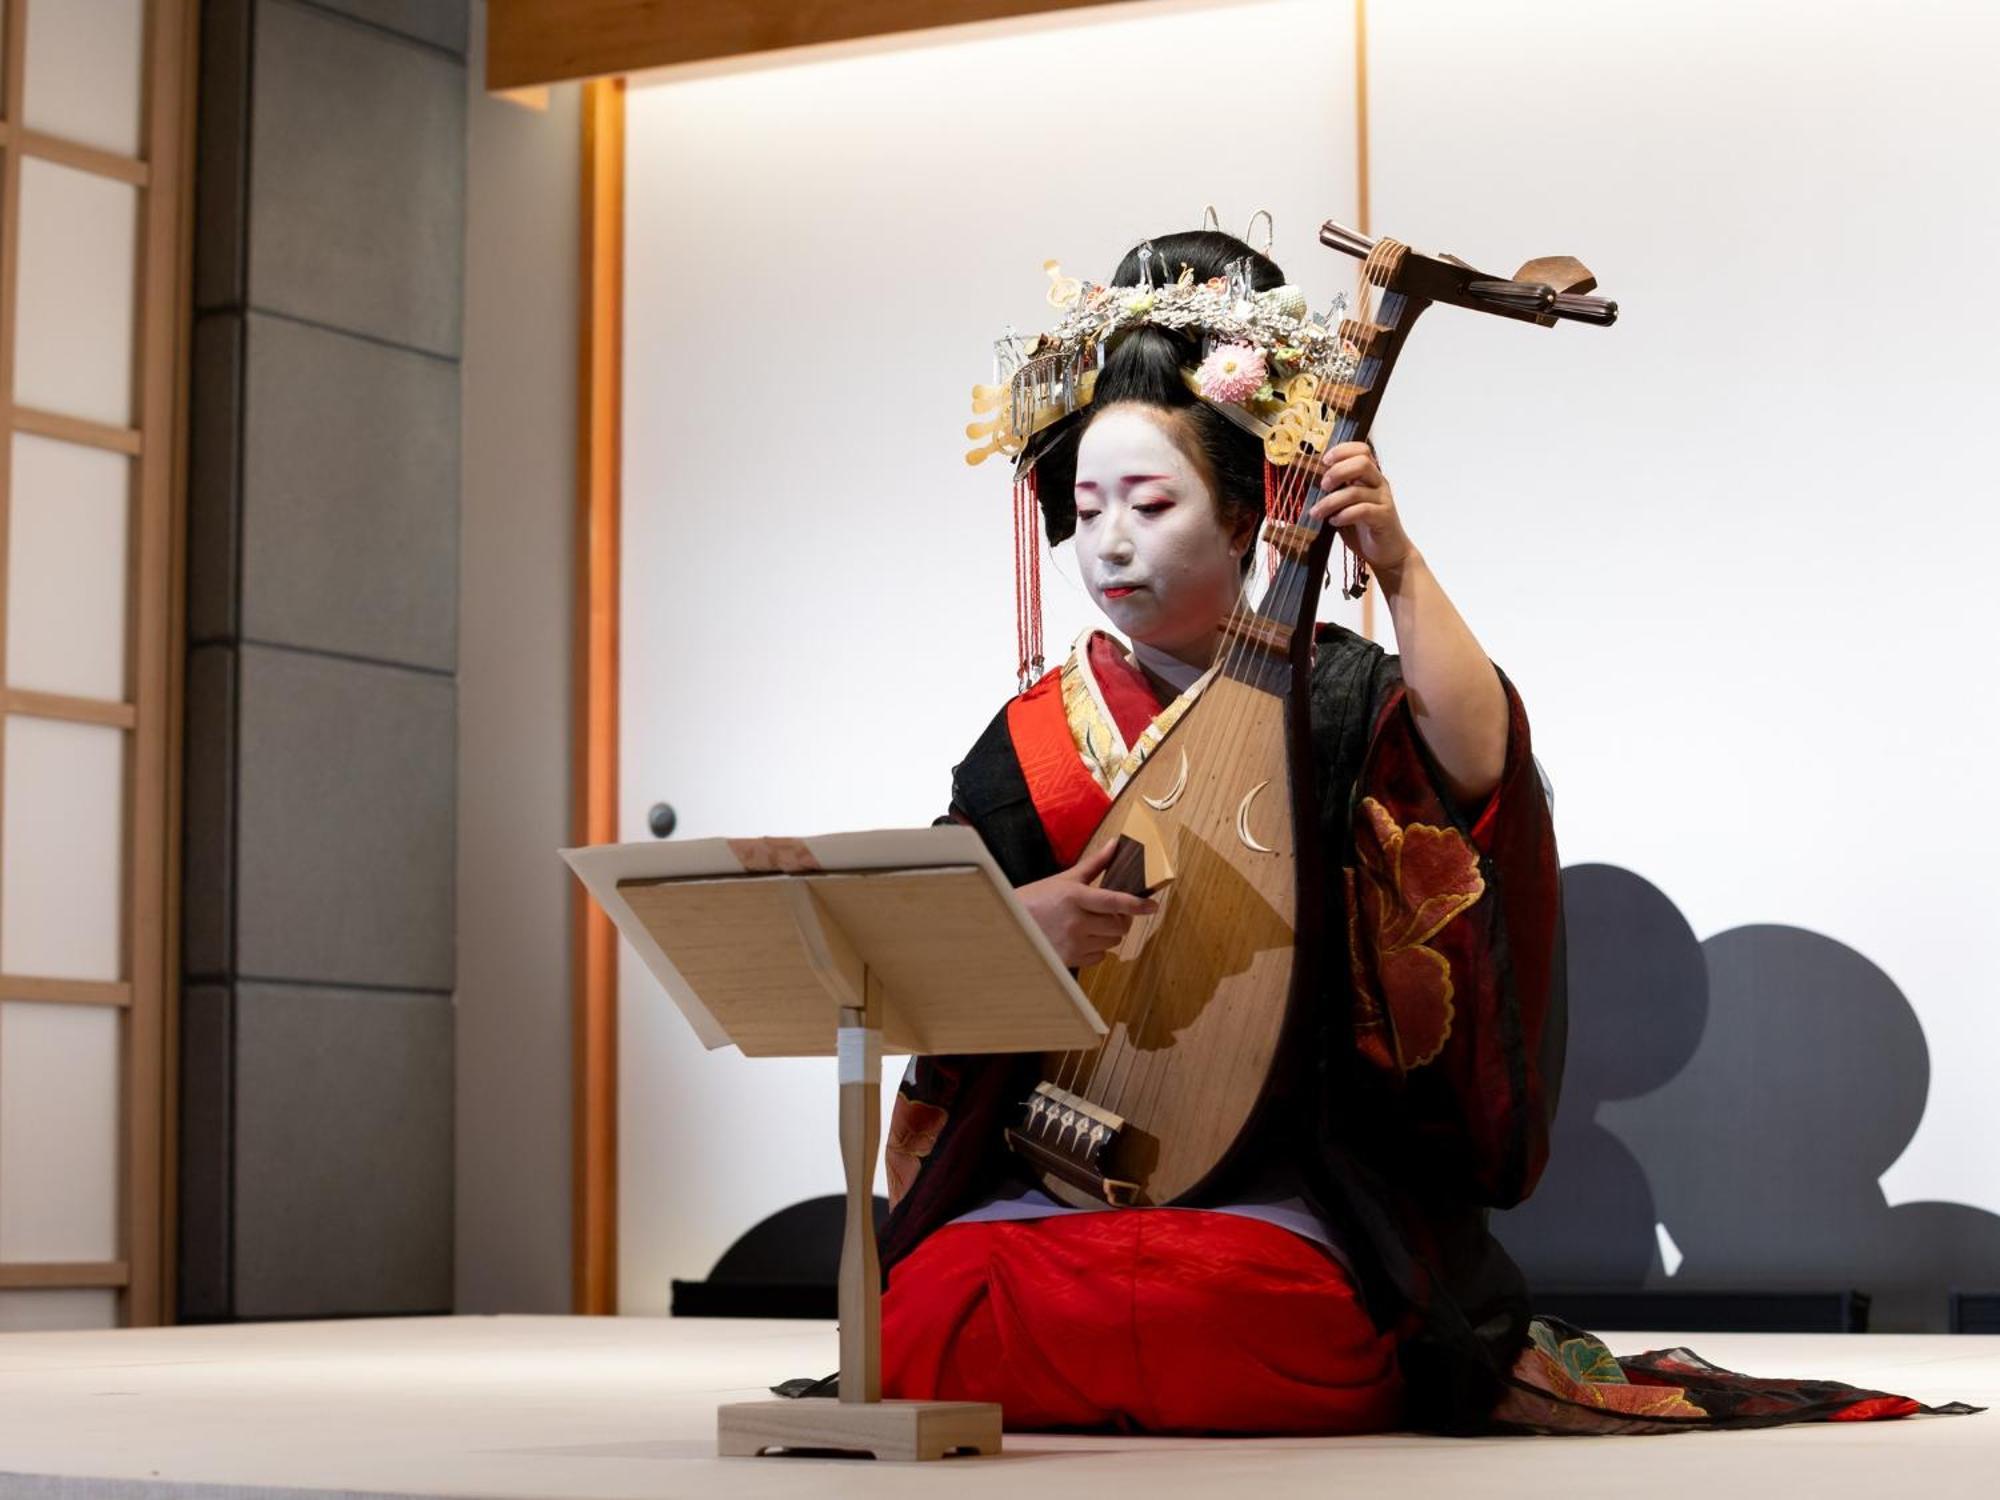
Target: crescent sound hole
point(1243, 821)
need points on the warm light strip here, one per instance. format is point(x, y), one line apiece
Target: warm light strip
point(594, 804)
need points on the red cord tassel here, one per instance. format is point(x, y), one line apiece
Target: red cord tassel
point(1027, 583)
point(1034, 575)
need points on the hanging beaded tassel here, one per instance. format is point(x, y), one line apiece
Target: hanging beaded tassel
point(1270, 514)
point(1353, 575)
point(1286, 507)
point(1034, 573)
point(1353, 572)
point(1027, 583)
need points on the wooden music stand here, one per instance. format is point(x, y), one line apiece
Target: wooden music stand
point(905, 940)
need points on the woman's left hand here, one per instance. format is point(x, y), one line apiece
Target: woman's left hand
point(1358, 501)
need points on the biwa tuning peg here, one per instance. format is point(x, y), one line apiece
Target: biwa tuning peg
point(1516, 296)
point(1598, 310)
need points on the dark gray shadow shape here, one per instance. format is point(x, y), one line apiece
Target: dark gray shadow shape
point(1765, 1150)
point(1638, 999)
point(797, 1245)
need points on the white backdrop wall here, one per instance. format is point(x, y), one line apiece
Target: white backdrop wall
point(818, 591)
point(1739, 551)
point(1729, 549)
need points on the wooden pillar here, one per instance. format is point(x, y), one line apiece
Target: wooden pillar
point(594, 805)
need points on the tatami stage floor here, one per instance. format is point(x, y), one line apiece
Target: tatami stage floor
point(578, 1409)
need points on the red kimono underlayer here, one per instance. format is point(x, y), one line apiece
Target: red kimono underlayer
point(1150, 1320)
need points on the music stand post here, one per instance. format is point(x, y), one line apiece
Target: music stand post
point(906, 938)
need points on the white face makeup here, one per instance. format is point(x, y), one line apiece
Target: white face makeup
point(1152, 548)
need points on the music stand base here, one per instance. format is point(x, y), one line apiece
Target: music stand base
point(906, 1430)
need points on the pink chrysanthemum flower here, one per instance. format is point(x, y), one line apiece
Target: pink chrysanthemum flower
point(1233, 372)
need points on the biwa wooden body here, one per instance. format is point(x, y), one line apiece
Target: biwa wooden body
point(1197, 995)
point(1221, 825)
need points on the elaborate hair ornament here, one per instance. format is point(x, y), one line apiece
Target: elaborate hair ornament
point(1264, 361)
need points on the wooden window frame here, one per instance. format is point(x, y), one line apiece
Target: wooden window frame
point(147, 999)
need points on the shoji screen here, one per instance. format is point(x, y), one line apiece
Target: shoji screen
point(90, 131)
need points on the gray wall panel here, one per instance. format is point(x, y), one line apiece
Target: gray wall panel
point(321, 734)
point(357, 178)
point(343, 1151)
point(208, 843)
point(214, 470)
point(222, 157)
point(346, 807)
point(350, 483)
point(205, 1173)
point(439, 22)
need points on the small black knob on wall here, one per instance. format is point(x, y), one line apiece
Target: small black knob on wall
point(661, 819)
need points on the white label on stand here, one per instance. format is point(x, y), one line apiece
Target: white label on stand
point(860, 1054)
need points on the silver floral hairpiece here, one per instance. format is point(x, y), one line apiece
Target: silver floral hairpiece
point(1265, 361)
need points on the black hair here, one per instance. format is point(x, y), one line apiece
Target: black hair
point(1143, 365)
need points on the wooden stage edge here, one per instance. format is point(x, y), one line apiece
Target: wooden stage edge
point(583, 1408)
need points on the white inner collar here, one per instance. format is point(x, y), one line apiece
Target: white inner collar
point(1176, 673)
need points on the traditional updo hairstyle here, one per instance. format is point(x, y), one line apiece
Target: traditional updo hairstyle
point(1143, 365)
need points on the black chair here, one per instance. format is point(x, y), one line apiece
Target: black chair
point(787, 1266)
point(1707, 1312)
point(1975, 1312)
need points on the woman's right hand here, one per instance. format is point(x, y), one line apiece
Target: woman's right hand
point(1083, 922)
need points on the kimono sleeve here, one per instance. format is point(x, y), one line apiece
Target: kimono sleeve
point(923, 1105)
point(1455, 941)
point(945, 1145)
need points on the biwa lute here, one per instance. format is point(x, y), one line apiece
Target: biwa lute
point(1220, 823)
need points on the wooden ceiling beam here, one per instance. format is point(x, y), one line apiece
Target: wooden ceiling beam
point(531, 42)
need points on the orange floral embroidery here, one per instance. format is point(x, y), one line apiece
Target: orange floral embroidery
point(1413, 881)
point(913, 1131)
